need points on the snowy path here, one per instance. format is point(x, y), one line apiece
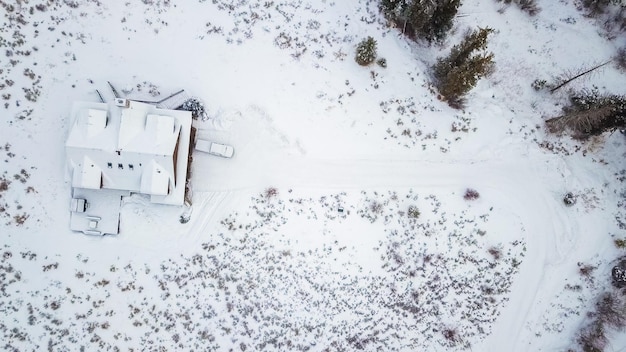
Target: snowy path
point(516, 182)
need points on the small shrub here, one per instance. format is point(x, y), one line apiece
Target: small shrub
point(620, 243)
point(569, 199)
point(452, 336)
point(539, 84)
point(196, 107)
point(495, 252)
point(376, 207)
point(593, 338)
point(618, 275)
point(413, 212)
point(620, 59)
point(71, 3)
point(382, 62)
point(366, 51)
point(471, 194)
point(270, 193)
point(20, 219)
point(586, 270)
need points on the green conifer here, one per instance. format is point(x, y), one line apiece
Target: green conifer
point(366, 51)
point(425, 19)
point(458, 73)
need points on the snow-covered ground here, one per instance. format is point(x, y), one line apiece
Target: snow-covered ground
point(268, 260)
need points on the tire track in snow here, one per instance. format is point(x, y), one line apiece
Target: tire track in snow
point(208, 207)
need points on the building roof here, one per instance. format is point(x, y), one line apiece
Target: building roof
point(138, 148)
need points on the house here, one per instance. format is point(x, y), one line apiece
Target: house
point(120, 148)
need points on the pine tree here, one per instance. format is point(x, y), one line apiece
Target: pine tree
point(366, 51)
point(458, 73)
point(394, 9)
point(196, 107)
point(418, 15)
point(425, 19)
point(597, 6)
point(461, 79)
point(441, 19)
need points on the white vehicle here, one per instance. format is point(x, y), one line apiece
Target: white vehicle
point(223, 150)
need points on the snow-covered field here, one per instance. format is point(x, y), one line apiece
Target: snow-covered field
point(342, 221)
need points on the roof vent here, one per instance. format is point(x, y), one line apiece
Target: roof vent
point(123, 103)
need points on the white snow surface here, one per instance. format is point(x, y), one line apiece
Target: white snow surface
point(267, 260)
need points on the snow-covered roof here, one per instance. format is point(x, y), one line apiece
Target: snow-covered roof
point(96, 121)
point(155, 180)
point(130, 148)
point(87, 175)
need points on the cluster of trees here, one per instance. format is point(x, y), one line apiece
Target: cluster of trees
point(588, 113)
point(455, 75)
point(422, 19)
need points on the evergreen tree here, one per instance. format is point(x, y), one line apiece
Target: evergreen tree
point(425, 19)
point(441, 19)
point(458, 73)
point(589, 114)
point(394, 9)
point(597, 6)
point(196, 107)
point(366, 51)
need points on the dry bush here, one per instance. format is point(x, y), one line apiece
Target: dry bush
point(376, 207)
point(413, 212)
point(471, 194)
point(270, 193)
point(452, 336)
point(590, 113)
point(569, 199)
point(586, 270)
point(620, 59)
point(593, 338)
point(611, 310)
point(528, 6)
point(456, 102)
point(495, 252)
